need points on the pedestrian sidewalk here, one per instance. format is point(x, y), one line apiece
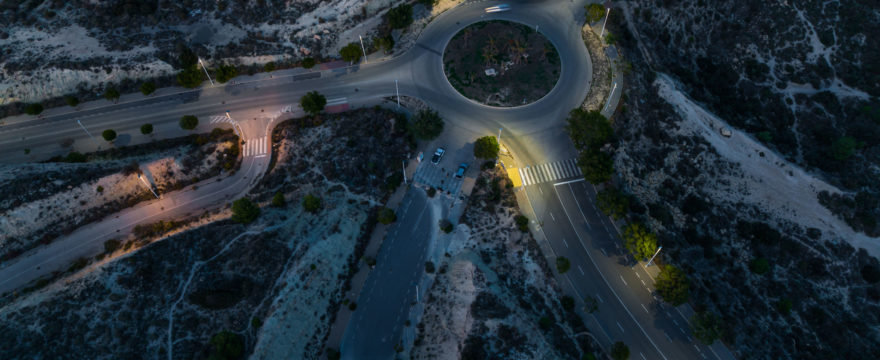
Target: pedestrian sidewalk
point(343, 314)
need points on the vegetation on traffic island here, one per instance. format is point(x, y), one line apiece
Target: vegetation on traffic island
point(486, 147)
point(244, 211)
point(109, 135)
point(189, 122)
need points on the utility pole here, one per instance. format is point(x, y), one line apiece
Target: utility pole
point(404, 172)
point(655, 255)
point(206, 71)
point(397, 89)
point(417, 293)
point(604, 22)
point(148, 186)
point(363, 49)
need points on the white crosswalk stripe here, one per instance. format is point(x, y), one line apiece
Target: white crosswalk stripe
point(549, 172)
point(257, 147)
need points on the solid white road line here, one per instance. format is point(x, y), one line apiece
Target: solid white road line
point(582, 270)
point(621, 279)
point(566, 243)
point(600, 298)
point(621, 327)
point(643, 356)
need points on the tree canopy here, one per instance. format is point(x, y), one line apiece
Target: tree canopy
point(148, 88)
point(71, 100)
point(387, 216)
point(190, 77)
point(311, 203)
point(619, 351)
point(244, 211)
point(278, 199)
point(109, 135)
point(350, 52)
point(595, 12)
point(225, 73)
point(486, 147)
point(308, 63)
point(400, 16)
point(189, 122)
point(706, 327)
point(146, 129)
point(562, 264)
point(843, 148)
point(427, 124)
point(596, 165)
point(313, 102)
point(639, 241)
point(111, 94)
point(673, 285)
point(33, 109)
point(613, 202)
point(588, 129)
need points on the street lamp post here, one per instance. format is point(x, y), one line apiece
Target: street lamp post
point(397, 89)
point(604, 22)
point(206, 71)
point(86, 130)
point(655, 255)
point(404, 172)
point(148, 186)
point(363, 49)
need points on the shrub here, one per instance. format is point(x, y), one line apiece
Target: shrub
point(446, 226)
point(431, 192)
point(111, 94)
point(596, 166)
point(143, 231)
point(226, 72)
point(567, 303)
point(226, 346)
point(588, 129)
point(784, 306)
point(350, 52)
point(619, 351)
point(427, 124)
point(595, 12)
point(189, 122)
point(308, 63)
point(278, 199)
point(100, 189)
point(147, 129)
point(673, 285)
point(311, 203)
point(486, 147)
point(189, 78)
point(400, 16)
point(269, 66)
point(759, 266)
point(387, 216)
point(313, 102)
point(843, 148)
point(111, 245)
point(71, 100)
point(75, 157)
point(613, 203)
point(244, 211)
point(562, 264)
point(522, 223)
point(639, 241)
point(148, 88)
point(109, 135)
point(429, 267)
point(706, 327)
point(33, 109)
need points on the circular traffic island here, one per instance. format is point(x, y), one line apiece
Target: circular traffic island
point(501, 63)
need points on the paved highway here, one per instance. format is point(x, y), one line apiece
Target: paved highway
point(533, 133)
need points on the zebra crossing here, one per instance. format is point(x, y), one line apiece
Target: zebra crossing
point(549, 172)
point(221, 119)
point(256, 147)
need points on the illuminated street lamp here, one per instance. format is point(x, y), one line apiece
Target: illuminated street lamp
point(604, 22)
point(655, 255)
point(148, 186)
point(363, 49)
point(206, 71)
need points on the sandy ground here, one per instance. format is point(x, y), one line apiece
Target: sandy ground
point(768, 180)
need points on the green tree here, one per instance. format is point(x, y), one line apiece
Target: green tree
point(673, 285)
point(446, 226)
point(706, 327)
point(486, 147)
point(244, 211)
point(428, 3)
point(567, 303)
point(522, 223)
point(190, 78)
point(596, 165)
point(226, 346)
point(111, 94)
point(71, 100)
point(386, 43)
point(843, 148)
point(427, 124)
point(148, 88)
point(269, 66)
point(33, 109)
point(278, 199)
point(619, 351)
point(591, 304)
point(562, 264)
point(387, 216)
point(350, 52)
point(639, 241)
point(595, 12)
point(400, 16)
point(311, 203)
point(189, 122)
point(146, 129)
point(759, 266)
point(186, 58)
point(225, 73)
point(588, 129)
point(613, 202)
point(313, 102)
point(308, 63)
point(109, 135)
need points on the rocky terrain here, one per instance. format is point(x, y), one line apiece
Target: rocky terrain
point(493, 294)
point(270, 285)
point(743, 214)
point(44, 201)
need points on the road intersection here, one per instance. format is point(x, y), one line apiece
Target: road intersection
point(534, 134)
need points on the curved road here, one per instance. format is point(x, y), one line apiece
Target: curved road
point(533, 133)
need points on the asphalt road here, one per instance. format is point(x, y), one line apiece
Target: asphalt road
point(390, 290)
point(533, 134)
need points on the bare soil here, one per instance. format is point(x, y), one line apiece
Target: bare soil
point(526, 63)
